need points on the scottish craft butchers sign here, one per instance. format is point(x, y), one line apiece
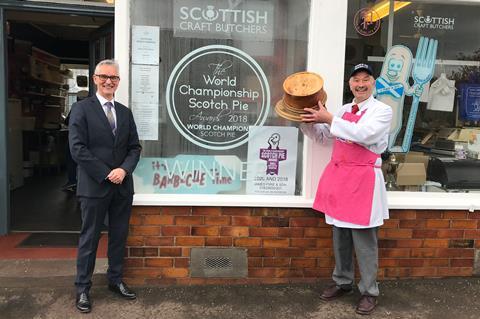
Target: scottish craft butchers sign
point(220, 19)
point(434, 23)
point(214, 94)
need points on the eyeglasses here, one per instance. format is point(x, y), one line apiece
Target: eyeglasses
point(104, 77)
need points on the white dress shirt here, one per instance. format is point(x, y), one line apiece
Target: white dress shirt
point(371, 131)
point(102, 101)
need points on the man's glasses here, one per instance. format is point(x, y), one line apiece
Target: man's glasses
point(104, 77)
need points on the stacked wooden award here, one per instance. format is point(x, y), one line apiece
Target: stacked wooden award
point(301, 90)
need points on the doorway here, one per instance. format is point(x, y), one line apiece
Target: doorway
point(50, 59)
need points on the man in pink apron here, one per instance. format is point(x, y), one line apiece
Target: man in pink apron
point(351, 192)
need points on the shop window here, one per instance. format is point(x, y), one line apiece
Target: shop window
point(204, 80)
point(434, 143)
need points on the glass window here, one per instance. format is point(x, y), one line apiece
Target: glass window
point(204, 81)
point(426, 61)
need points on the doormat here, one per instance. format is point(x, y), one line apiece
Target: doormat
point(50, 240)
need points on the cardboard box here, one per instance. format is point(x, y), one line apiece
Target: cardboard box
point(417, 157)
point(444, 133)
point(411, 174)
point(464, 135)
point(45, 57)
point(52, 117)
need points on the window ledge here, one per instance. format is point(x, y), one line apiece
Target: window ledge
point(425, 200)
point(220, 200)
point(396, 200)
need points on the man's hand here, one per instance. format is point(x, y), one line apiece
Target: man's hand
point(117, 175)
point(317, 116)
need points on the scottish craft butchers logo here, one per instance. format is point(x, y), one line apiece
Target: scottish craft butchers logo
point(212, 14)
point(214, 94)
point(273, 154)
point(433, 23)
point(366, 22)
point(224, 19)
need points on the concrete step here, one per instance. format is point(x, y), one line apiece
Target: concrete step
point(23, 273)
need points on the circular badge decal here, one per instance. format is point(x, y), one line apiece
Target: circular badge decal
point(214, 94)
point(366, 22)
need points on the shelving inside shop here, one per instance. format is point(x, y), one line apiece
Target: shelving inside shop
point(37, 86)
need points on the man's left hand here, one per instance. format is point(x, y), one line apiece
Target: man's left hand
point(117, 175)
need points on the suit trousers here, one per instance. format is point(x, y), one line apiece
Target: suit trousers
point(94, 210)
point(365, 243)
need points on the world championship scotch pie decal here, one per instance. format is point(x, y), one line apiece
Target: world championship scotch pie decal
point(214, 94)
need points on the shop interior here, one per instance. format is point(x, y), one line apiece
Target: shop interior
point(50, 61)
point(442, 152)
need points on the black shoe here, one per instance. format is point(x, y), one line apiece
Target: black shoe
point(122, 289)
point(83, 302)
point(69, 187)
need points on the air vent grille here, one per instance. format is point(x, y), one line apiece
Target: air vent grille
point(218, 262)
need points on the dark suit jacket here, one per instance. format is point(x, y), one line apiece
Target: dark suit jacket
point(97, 151)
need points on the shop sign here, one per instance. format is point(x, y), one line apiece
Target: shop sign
point(272, 160)
point(188, 174)
point(214, 94)
point(220, 19)
point(433, 23)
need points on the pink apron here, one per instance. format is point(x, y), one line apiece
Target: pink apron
point(345, 190)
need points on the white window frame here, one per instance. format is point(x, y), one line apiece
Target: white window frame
point(326, 56)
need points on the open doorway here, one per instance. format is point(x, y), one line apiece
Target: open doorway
point(50, 61)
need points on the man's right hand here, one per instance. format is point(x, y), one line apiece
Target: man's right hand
point(317, 116)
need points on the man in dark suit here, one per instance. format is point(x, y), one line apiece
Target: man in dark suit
point(104, 143)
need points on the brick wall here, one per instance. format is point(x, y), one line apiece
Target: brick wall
point(293, 245)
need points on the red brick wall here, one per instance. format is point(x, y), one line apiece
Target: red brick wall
point(293, 245)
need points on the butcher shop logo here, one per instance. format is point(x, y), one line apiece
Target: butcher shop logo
point(433, 23)
point(223, 19)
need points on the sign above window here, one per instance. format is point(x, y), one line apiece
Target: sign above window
point(223, 19)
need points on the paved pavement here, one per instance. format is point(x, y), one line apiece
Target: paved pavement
point(33, 294)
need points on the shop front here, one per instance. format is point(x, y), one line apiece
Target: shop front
point(48, 51)
point(225, 185)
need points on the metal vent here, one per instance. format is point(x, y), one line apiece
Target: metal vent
point(218, 262)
